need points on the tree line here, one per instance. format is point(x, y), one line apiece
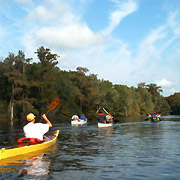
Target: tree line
point(28, 86)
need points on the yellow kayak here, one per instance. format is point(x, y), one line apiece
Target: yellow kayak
point(50, 139)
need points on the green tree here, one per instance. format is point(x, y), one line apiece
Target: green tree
point(145, 100)
point(174, 102)
point(18, 84)
point(124, 100)
point(68, 93)
point(155, 92)
point(22, 100)
point(46, 76)
point(160, 104)
point(4, 91)
point(13, 76)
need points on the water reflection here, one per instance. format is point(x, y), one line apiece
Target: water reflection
point(155, 127)
point(35, 164)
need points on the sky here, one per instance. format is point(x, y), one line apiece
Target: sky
point(124, 41)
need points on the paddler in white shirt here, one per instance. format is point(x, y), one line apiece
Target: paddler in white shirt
point(36, 130)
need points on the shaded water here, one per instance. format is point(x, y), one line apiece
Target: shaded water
point(131, 149)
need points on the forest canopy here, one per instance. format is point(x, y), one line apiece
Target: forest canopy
point(27, 86)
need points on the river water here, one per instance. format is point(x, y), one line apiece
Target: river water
point(132, 149)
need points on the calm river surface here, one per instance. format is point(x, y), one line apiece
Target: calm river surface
point(132, 149)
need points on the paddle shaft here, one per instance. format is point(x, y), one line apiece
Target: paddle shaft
point(116, 121)
point(105, 111)
point(98, 109)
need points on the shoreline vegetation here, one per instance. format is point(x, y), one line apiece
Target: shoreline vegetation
point(28, 86)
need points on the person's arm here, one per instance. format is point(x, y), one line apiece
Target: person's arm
point(46, 119)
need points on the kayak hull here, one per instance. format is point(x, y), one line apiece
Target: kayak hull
point(155, 120)
point(104, 124)
point(19, 150)
point(78, 122)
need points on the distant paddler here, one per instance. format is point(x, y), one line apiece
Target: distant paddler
point(109, 118)
point(83, 117)
point(75, 117)
point(101, 118)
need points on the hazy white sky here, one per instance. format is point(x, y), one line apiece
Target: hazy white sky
point(123, 41)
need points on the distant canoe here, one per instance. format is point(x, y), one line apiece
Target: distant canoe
point(78, 122)
point(104, 124)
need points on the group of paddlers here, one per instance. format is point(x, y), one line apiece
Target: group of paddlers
point(102, 118)
point(153, 116)
point(76, 117)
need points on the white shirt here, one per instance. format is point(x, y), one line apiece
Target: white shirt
point(35, 130)
point(75, 117)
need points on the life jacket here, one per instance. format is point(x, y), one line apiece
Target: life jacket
point(101, 114)
point(83, 117)
point(101, 118)
point(154, 115)
point(29, 140)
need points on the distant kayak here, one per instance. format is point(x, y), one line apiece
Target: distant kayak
point(155, 120)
